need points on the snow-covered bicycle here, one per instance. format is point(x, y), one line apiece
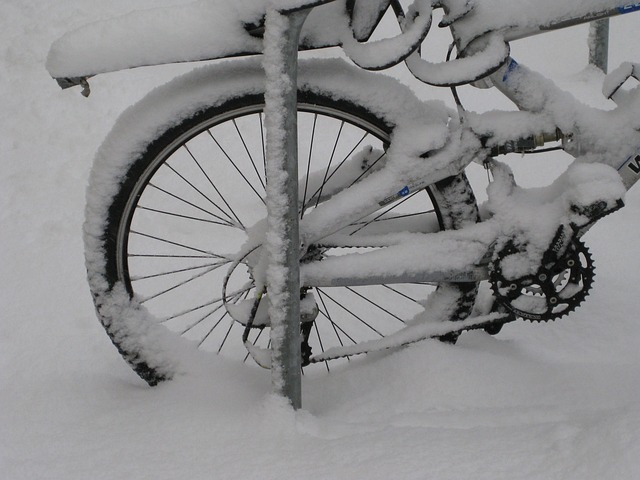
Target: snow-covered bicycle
point(394, 246)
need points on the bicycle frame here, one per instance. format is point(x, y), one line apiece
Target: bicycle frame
point(463, 146)
point(316, 224)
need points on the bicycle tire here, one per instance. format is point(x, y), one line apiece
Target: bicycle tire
point(125, 280)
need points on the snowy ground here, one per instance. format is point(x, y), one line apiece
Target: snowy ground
point(553, 401)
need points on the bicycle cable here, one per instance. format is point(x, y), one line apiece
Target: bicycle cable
point(454, 90)
point(543, 150)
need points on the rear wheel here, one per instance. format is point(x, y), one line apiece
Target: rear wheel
point(187, 204)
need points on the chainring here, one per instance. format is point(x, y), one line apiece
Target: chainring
point(554, 291)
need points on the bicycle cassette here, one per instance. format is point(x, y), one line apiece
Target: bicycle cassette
point(556, 289)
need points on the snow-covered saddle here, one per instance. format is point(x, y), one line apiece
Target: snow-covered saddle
point(201, 30)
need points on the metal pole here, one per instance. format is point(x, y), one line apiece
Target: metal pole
point(599, 44)
point(281, 39)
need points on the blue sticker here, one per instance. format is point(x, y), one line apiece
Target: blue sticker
point(510, 68)
point(632, 7)
point(404, 192)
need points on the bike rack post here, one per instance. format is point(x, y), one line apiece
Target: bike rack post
point(599, 44)
point(282, 33)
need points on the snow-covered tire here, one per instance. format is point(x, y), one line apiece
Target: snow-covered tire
point(164, 211)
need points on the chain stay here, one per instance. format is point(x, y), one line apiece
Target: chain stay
point(414, 334)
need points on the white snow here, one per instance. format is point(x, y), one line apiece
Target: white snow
point(518, 18)
point(383, 53)
point(461, 70)
point(617, 78)
point(549, 401)
point(209, 29)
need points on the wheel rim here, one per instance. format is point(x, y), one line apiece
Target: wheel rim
point(190, 210)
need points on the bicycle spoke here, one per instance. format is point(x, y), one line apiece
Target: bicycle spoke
point(233, 323)
point(368, 169)
point(395, 205)
point(202, 319)
point(396, 217)
point(327, 315)
point(262, 142)
point(357, 317)
point(215, 188)
point(196, 189)
point(326, 172)
point(186, 217)
point(255, 168)
point(341, 163)
point(368, 300)
point(337, 327)
point(334, 324)
point(178, 285)
point(191, 310)
point(236, 167)
point(213, 328)
point(153, 255)
point(218, 323)
point(224, 221)
point(226, 336)
point(401, 294)
point(306, 182)
point(234, 296)
point(181, 270)
point(164, 240)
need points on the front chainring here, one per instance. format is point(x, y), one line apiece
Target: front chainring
point(555, 290)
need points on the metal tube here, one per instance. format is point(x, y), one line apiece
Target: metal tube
point(282, 35)
point(599, 44)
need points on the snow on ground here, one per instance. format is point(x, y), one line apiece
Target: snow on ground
point(552, 401)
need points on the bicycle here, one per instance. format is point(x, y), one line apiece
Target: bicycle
point(394, 245)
